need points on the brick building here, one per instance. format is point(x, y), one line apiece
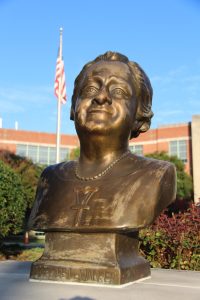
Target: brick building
point(182, 140)
point(173, 139)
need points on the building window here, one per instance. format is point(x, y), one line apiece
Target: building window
point(42, 154)
point(33, 153)
point(136, 149)
point(52, 155)
point(179, 149)
point(64, 154)
point(22, 150)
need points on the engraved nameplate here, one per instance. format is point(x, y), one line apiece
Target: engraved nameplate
point(73, 274)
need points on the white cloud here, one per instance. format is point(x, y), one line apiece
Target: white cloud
point(170, 113)
point(178, 75)
point(171, 75)
point(180, 81)
point(195, 102)
point(192, 78)
point(14, 99)
point(8, 107)
point(31, 94)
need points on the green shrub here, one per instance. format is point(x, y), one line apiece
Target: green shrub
point(173, 242)
point(184, 181)
point(12, 201)
point(29, 172)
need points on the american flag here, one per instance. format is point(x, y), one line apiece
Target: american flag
point(60, 81)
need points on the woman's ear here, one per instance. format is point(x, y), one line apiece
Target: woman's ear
point(138, 127)
point(72, 114)
point(145, 126)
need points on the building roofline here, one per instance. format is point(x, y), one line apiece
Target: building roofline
point(173, 125)
point(32, 131)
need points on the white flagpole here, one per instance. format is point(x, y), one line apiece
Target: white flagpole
point(59, 109)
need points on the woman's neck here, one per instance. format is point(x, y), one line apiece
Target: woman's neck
point(97, 153)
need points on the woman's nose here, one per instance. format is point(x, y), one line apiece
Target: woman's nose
point(102, 98)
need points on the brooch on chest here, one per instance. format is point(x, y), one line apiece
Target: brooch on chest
point(82, 198)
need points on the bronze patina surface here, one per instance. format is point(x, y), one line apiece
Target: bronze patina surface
point(92, 209)
point(104, 258)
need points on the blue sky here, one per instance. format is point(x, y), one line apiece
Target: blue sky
point(162, 36)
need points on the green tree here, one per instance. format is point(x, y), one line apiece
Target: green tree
point(75, 153)
point(12, 201)
point(184, 181)
point(28, 171)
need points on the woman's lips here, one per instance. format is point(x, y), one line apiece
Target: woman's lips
point(99, 110)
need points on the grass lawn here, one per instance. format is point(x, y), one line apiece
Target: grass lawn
point(15, 252)
point(14, 249)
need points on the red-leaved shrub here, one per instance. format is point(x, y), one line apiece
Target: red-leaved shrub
point(173, 242)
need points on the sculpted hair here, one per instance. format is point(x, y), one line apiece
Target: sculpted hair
point(141, 83)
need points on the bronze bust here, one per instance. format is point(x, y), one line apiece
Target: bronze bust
point(92, 209)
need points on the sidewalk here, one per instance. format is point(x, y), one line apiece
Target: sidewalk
point(164, 285)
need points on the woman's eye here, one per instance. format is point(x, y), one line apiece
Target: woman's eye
point(118, 92)
point(91, 90)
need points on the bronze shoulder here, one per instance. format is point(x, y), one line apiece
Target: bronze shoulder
point(62, 171)
point(148, 165)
